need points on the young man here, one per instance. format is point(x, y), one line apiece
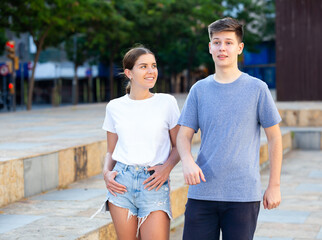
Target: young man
point(229, 107)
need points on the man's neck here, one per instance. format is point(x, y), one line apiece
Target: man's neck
point(227, 75)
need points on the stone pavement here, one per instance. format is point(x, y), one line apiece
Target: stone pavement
point(64, 214)
point(300, 214)
point(299, 217)
point(50, 148)
point(31, 133)
point(37, 154)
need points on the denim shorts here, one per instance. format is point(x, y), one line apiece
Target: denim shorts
point(138, 200)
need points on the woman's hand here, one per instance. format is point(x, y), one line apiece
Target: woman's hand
point(158, 178)
point(111, 185)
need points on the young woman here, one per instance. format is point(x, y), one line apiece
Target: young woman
point(141, 152)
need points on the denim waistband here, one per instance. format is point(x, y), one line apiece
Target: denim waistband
point(135, 168)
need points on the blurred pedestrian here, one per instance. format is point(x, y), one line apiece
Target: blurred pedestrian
point(229, 107)
point(141, 152)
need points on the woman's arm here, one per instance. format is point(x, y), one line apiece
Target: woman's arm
point(162, 172)
point(108, 173)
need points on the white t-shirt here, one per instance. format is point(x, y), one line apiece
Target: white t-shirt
point(142, 127)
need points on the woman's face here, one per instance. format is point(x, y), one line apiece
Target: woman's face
point(144, 73)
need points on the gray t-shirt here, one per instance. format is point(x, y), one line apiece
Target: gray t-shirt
point(229, 117)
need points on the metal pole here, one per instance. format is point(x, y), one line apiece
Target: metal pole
point(22, 89)
point(13, 75)
point(4, 91)
point(74, 83)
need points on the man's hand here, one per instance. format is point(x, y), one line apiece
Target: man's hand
point(111, 185)
point(158, 178)
point(192, 173)
point(272, 197)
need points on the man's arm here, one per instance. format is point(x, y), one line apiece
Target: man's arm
point(191, 171)
point(272, 196)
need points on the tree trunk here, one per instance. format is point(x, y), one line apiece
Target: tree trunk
point(190, 63)
point(111, 77)
point(75, 86)
point(32, 79)
point(90, 87)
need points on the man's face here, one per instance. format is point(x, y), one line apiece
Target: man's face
point(225, 48)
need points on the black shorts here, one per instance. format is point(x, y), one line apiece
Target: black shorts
point(205, 219)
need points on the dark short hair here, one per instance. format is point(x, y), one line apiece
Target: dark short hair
point(227, 24)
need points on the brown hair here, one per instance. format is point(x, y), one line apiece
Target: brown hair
point(227, 24)
point(130, 58)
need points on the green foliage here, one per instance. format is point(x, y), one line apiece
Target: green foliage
point(103, 30)
point(3, 41)
point(258, 19)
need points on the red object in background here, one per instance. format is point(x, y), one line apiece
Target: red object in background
point(10, 44)
point(30, 65)
point(11, 88)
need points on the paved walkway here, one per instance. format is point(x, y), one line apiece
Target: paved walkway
point(30, 133)
point(299, 217)
point(64, 214)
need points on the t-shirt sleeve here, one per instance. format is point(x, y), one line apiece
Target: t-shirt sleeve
point(174, 113)
point(109, 124)
point(189, 114)
point(268, 115)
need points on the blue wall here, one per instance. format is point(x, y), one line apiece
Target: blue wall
point(262, 63)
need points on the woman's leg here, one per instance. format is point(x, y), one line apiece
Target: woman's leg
point(125, 227)
point(156, 226)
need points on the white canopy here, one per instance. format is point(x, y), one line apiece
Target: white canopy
point(53, 70)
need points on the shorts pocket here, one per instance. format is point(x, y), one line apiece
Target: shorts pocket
point(118, 168)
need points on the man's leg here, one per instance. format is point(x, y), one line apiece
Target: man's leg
point(238, 221)
point(201, 220)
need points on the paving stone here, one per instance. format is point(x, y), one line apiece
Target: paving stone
point(54, 228)
point(272, 238)
point(20, 146)
point(307, 187)
point(315, 174)
point(307, 140)
point(282, 216)
point(11, 222)
point(319, 236)
point(71, 194)
point(40, 174)
point(287, 230)
point(65, 213)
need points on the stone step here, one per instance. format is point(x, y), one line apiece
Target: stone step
point(300, 114)
point(51, 148)
point(65, 213)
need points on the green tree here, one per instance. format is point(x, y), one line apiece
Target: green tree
point(49, 22)
point(3, 40)
point(112, 30)
point(175, 30)
point(81, 47)
point(257, 17)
